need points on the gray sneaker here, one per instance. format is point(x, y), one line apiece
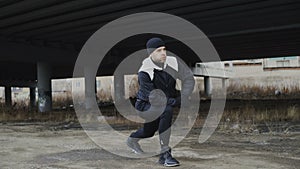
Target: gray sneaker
point(134, 145)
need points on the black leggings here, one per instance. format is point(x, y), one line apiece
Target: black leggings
point(162, 124)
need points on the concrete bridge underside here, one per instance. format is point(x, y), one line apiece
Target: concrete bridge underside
point(40, 40)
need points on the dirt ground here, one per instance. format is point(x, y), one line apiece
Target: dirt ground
point(40, 145)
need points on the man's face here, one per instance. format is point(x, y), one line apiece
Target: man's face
point(159, 55)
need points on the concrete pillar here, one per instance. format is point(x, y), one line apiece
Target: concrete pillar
point(8, 99)
point(32, 96)
point(223, 83)
point(207, 86)
point(90, 88)
point(44, 87)
point(119, 88)
point(96, 89)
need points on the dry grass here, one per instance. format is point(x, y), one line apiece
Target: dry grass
point(105, 96)
point(244, 114)
point(249, 119)
point(246, 119)
point(249, 113)
point(293, 113)
point(235, 91)
point(21, 113)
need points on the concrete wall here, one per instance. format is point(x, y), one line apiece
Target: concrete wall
point(243, 75)
point(292, 61)
point(18, 95)
point(105, 90)
point(255, 75)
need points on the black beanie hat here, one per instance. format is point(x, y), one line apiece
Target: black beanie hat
point(153, 44)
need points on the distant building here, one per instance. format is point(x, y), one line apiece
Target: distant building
point(289, 62)
point(279, 72)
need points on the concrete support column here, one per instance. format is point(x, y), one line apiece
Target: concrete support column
point(90, 88)
point(8, 99)
point(96, 89)
point(119, 88)
point(32, 97)
point(207, 86)
point(44, 87)
point(223, 83)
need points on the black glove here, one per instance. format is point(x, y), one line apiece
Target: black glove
point(175, 102)
point(179, 101)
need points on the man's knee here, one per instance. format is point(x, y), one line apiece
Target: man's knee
point(149, 134)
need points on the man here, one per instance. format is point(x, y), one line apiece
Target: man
point(157, 96)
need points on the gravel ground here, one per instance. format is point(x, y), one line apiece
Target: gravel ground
point(40, 145)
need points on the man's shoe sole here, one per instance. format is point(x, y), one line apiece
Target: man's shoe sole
point(171, 165)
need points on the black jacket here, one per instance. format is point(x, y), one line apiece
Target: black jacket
point(152, 76)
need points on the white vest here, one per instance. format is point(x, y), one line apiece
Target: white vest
point(148, 66)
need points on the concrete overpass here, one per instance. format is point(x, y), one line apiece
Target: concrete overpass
point(40, 40)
